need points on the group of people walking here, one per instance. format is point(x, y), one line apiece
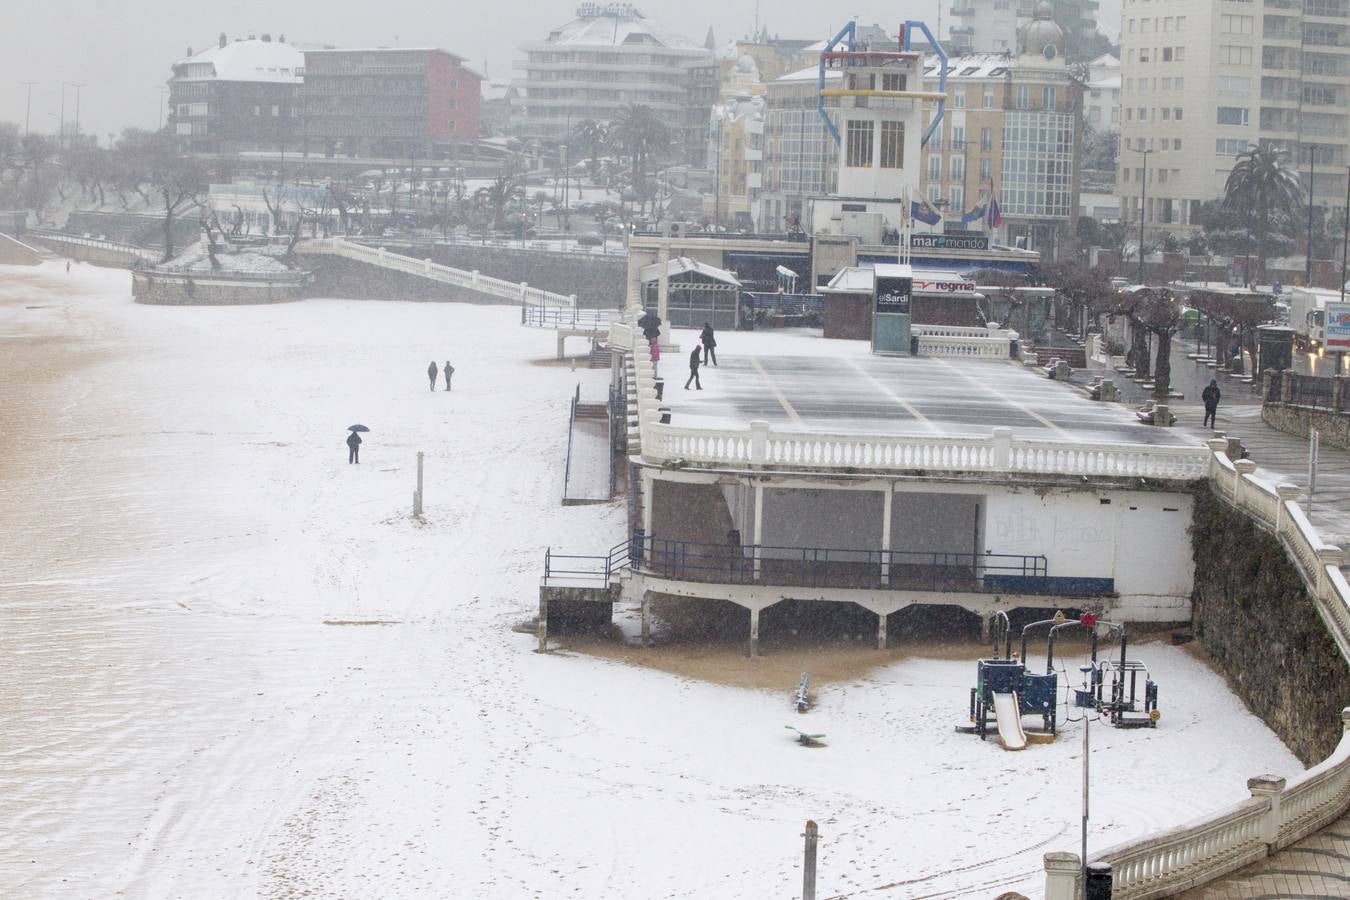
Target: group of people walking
point(432, 371)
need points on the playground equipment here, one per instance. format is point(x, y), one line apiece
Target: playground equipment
point(1005, 687)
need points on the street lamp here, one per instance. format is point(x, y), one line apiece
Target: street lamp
point(1143, 200)
point(1312, 176)
point(28, 104)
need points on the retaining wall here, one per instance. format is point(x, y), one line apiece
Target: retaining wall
point(1252, 614)
point(599, 281)
point(1334, 426)
point(334, 276)
point(174, 289)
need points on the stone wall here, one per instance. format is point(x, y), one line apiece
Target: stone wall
point(335, 276)
point(16, 253)
point(133, 228)
point(597, 281)
point(98, 256)
point(1252, 614)
point(180, 290)
point(1335, 427)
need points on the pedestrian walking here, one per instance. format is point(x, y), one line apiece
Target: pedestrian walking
point(709, 344)
point(449, 370)
point(431, 374)
point(353, 448)
point(656, 355)
point(650, 323)
point(1211, 397)
point(695, 357)
point(67, 267)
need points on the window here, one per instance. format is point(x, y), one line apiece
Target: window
point(1167, 23)
point(1048, 97)
point(1166, 113)
point(1167, 84)
point(1167, 54)
point(986, 139)
point(958, 168)
point(958, 137)
point(1233, 84)
point(1229, 146)
point(957, 198)
point(1022, 97)
point(1181, 23)
point(859, 154)
point(892, 145)
point(893, 81)
point(1232, 115)
point(959, 98)
point(1143, 54)
point(1176, 113)
point(1232, 55)
point(988, 96)
point(986, 169)
point(1179, 54)
point(934, 167)
point(1235, 24)
point(1176, 143)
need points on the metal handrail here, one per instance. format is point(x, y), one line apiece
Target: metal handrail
point(582, 567)
point(564, 316)
point(571, 426)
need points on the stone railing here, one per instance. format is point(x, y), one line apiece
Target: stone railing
point(1277, 815)
point(112, 246)
point(970, 343)
point(518, 292)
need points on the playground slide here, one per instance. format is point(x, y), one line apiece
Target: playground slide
point(1009, 719)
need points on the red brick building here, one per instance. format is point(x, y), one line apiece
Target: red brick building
point(389, 102)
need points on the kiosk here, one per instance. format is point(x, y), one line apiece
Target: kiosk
point(892, 289)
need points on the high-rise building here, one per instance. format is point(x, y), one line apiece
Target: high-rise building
point(985, 26)
point(800, 160)
point(736, 153)
point(237, 95)
point(1101, 102)
point(389, 102)
point(1203, 80)
point(607, 58)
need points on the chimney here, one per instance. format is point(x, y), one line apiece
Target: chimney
point(267, 38)
point(189, 53)
point(223, 40)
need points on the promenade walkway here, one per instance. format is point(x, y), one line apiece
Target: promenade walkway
point(1318, 866)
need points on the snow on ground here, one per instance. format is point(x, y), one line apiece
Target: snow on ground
point(232, 665)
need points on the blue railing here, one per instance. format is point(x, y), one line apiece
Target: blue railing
point(824, 567)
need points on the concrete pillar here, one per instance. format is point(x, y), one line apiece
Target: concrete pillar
point(759, 441)
point(1240, 467)
point(541, 629)
point(1287, 386)
point(1061, 876)
point(888, 497)
point(881, 631)
point(759, 524)
point(1002, 438)
point(984, 629)
point(646, 619)
point(561, 338)
point(663, 293)
point(1269, 788)
point(1287, 493)
point(754, 633)
point(648, 485)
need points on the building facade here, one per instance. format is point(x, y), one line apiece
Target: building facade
point(800, 160)
point(238, 95)
point(389, 102)
point(1101, 97)
point(607, 58)
point(990, 26)
point(1202, 80)
point(736, 154)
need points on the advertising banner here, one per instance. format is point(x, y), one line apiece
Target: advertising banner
point(1338, 326)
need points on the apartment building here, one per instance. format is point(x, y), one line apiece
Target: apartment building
point(389, 102)
point(990, 26)
point(609, 57)
point(736, 153)
point(800, 160)
point(1202, 80)
point(237, 95)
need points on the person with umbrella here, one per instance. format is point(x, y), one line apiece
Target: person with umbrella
point(354, 444)
point(709, 341)
point(431, 373)
point(650, 323)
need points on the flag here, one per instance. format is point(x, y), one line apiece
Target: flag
point(974, 214)
point(923, 212)
point(995, 214)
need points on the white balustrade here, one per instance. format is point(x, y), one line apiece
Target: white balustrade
point(486, 284)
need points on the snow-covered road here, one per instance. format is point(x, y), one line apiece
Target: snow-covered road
point(232, 665)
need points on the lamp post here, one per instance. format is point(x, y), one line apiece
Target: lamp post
point(1312, 177)
point(1143, 200)
point(28, 105)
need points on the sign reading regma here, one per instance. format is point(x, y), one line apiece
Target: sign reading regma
point(949, 241)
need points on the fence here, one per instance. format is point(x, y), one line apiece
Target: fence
point(425, 268)
point(571, 427)
point(564, 317)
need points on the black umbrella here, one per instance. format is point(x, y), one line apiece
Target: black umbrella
point(357, 428)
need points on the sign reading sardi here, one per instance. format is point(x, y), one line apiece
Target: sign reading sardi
point(893, 293)
point(949, 241)
point(1338, 326)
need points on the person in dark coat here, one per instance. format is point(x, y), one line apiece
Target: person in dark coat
point(1211, 397)
point(449, 370)
point(650, 323)
point(695, 357)
point(431, 374)
point(709, 344)
point(353, 448)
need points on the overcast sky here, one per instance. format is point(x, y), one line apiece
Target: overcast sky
point(122, 49)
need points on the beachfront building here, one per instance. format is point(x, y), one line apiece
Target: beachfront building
point(390, 102)
point(237, 95)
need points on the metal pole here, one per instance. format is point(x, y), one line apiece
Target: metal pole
point(77, 110)
point(61, 134)
point(1314, 450)
point(1143, 203)
point(28, 107)
point(809, 862)
point(1345, 233)
point(1312, 178)
point(417, 507)
point(1087, 727)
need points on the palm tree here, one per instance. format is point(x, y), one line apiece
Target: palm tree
point(499, 195)
point(1262, 183)
point(641, 133)
point(592, 136)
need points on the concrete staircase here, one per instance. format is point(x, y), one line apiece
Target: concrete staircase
point(601, 357)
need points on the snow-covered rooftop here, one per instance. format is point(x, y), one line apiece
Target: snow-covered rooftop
point(682, 264)
point(626, 27)
point(250, 60)
point(972, 65)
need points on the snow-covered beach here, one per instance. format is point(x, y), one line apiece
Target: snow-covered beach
point(232, 665)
